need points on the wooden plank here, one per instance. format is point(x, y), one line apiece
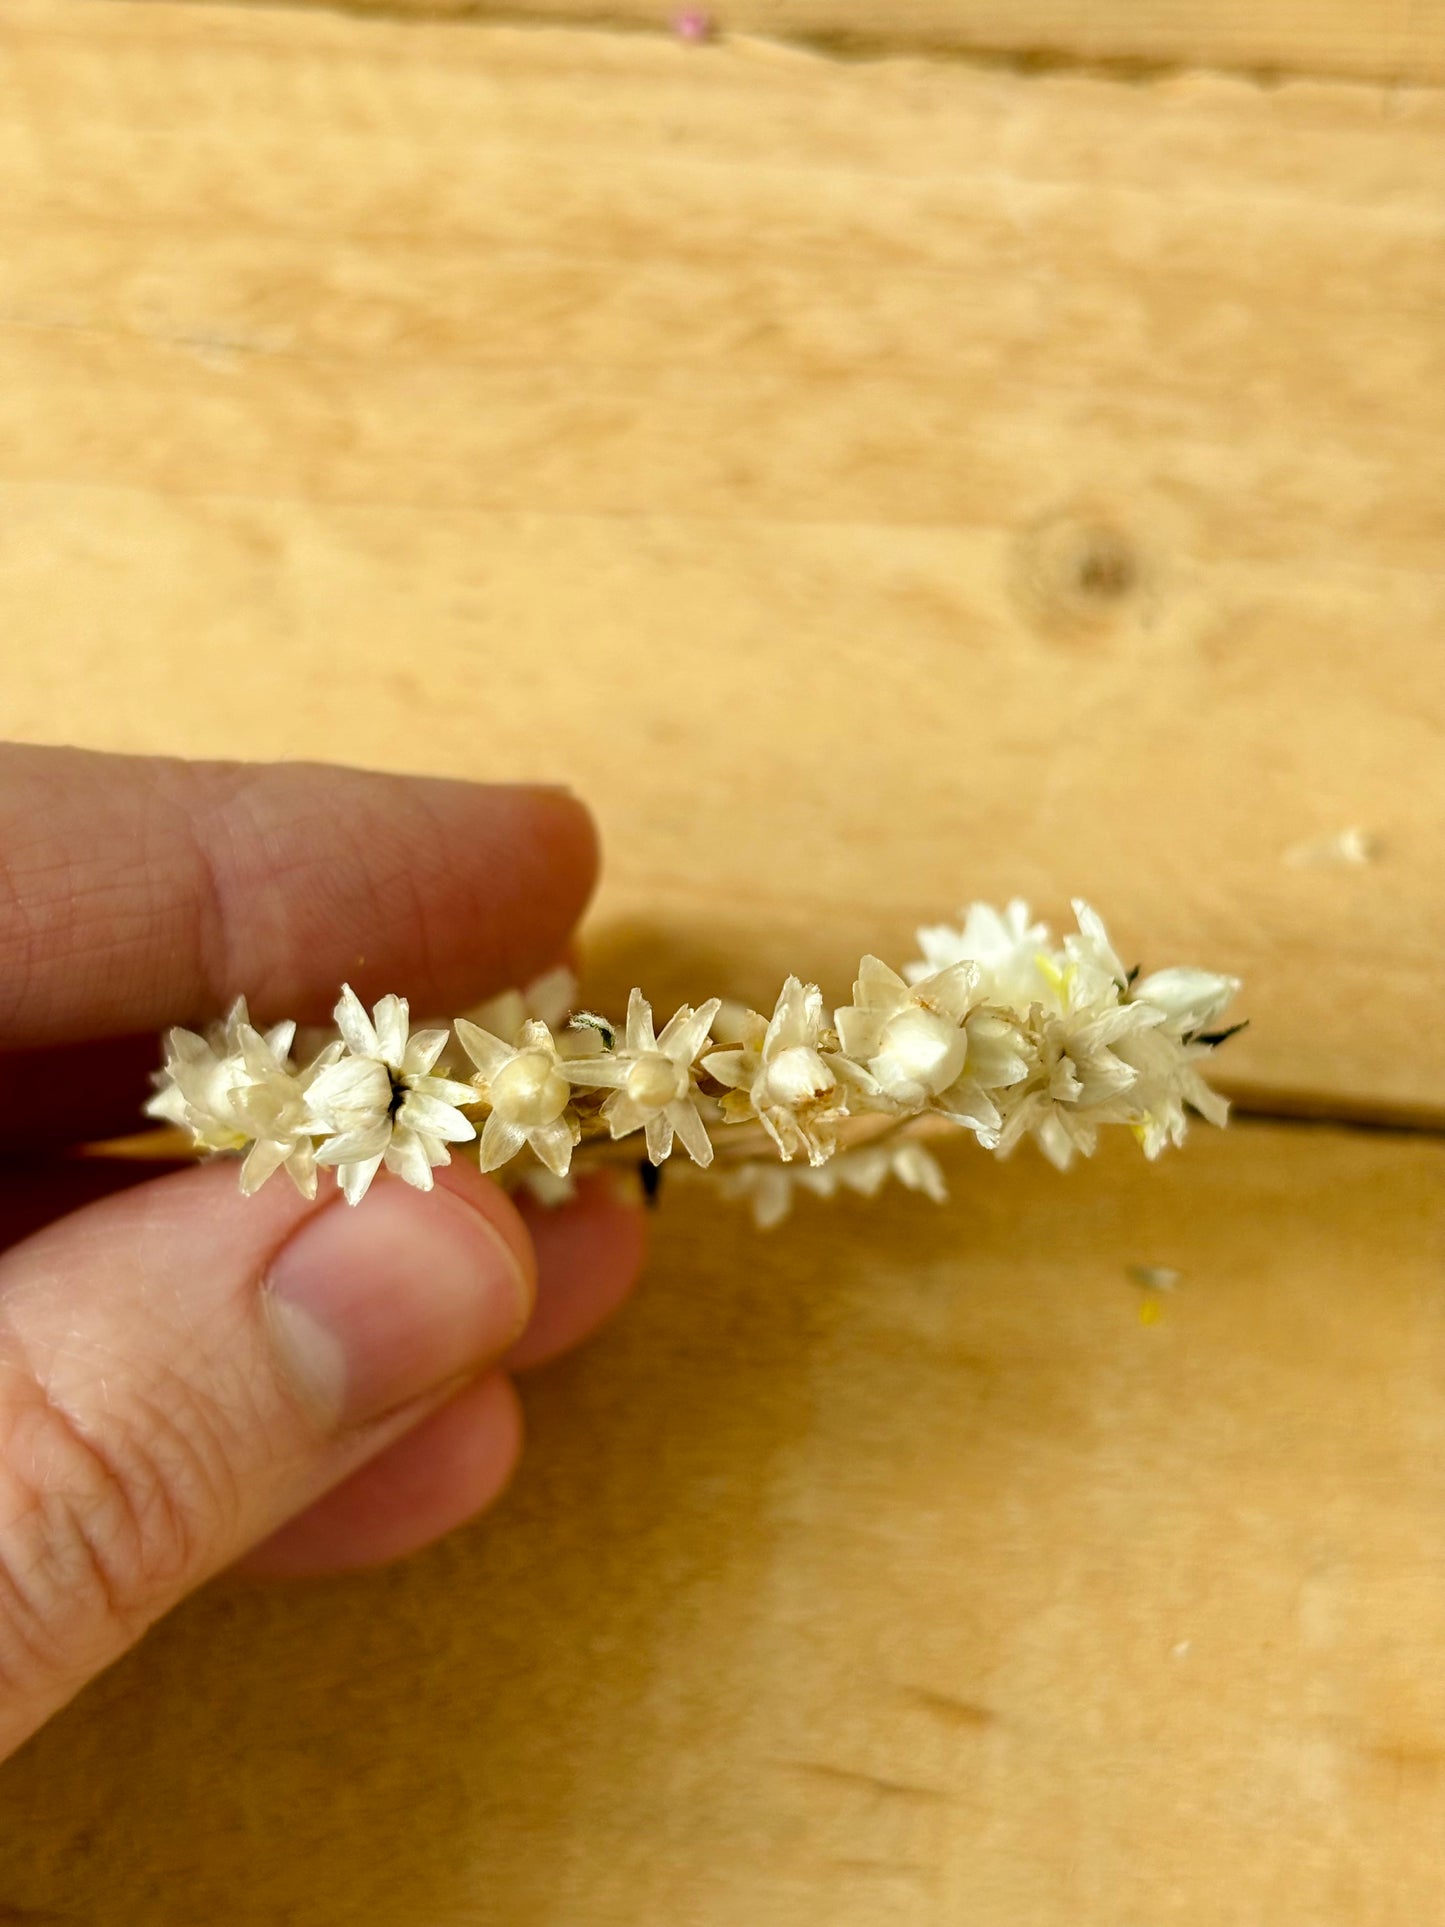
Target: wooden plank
point(1394, 41)
point(838, 1588)
point(877, 486)
point(874, 487)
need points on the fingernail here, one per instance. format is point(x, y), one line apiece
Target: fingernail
point(374, 1306)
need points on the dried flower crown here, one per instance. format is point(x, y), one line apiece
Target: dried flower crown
point(996, 1029)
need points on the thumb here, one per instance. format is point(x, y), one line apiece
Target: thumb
point(182, 1370)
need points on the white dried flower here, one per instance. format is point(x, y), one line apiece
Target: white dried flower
point(915, 1168)
point(236, 1090)
point(1017, 959)
point(1168, 1085)
point(785, 1074)
point(651, 1079)
point(770, 1189)
point(274, 1107)
point(544, 1185)
point(1082, 1075)
point(1090, 949)
point(1003, 943)
point(1191, 1000)
point(547, 999)
point(525, 1084)
point(767, 1188)
point(932, 1045)
point(999, 1028)
point(197, 1087)
point(380, 1102)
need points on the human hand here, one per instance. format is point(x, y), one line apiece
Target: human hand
point(189, 1378)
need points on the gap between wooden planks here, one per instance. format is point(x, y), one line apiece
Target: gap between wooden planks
point(873, 486)
point(1395, 41)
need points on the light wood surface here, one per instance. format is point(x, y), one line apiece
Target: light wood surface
point(888, 1571)
point(873, 485)
point(1385, 40)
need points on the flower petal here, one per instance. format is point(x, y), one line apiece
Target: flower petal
point(358, 1146)
point(1190, 999)
point(878, 987)
point(168, 1106)
point(423, 1048)
point(735, 1068)
point(391, 1017)
point(446, 1088)
point(356, 1084)
point(1054, 1141)
point(280, 1038)
point(1095, 946)
point(553, 1145)
point(919, 1170)
point(406, 1155)
point(261, 1162)
point(624, 1114)
point(257, 1054)
point(687, 1031)
point(301, 1168)
point(797, 1017)
point(487, 1052)
point(501, 1139)
point(859, 1031)
point(1119, 1021)
point(952, 991)
point(185, 1047)
point(355, 1179)
point(606, 1072)
point(640, 1033)
point(354, 1024)
point(966, 1104)
point(420, 1112)
point(659, 1135)
point(691, 1131)
point(237, 1015)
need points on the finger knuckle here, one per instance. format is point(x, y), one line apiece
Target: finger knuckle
point(103, 1518)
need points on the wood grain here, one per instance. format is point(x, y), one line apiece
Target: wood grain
point(873, 486)
point(842, 1586)
point(1395, 41)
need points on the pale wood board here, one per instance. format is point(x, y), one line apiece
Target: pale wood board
point(873, 487)
point(1386, 40)
point(876, 1593)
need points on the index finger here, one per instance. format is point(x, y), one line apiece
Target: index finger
point(137, 892)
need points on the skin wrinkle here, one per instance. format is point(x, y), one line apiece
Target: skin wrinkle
point(225, 905)
point(132, 1508)
point(69, 1549)
point(277, 880)
point(212, 941)
point(150, 1439)
point(64, 923)
point(244, 862)
point(17, 926)
point(136, 1515)
point(136, 1477)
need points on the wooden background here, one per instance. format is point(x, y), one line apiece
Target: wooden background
point(874, 481)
